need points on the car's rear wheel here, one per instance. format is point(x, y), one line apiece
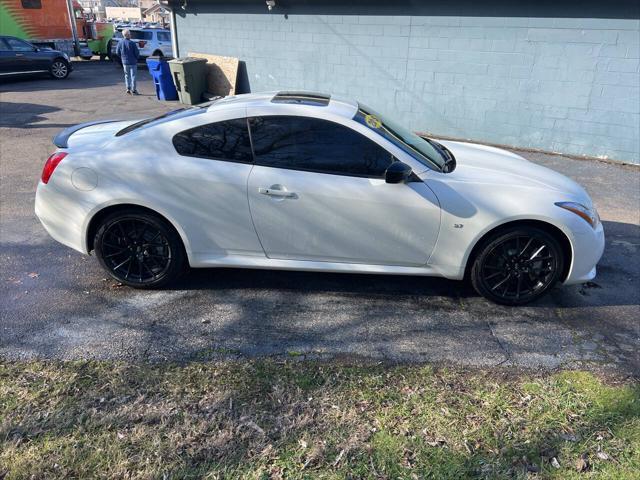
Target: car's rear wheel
point(59, 69)
point(139, 249)
point(517, 265)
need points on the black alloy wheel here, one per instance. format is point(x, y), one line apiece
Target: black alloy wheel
point(139, 249)
point(517, 266)
point(59, 69)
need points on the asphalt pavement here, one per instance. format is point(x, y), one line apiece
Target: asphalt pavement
point(57, 303)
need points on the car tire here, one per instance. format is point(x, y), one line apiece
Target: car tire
point(517, 265)
point(140, 249)
point(59, 69)
point(158, 53)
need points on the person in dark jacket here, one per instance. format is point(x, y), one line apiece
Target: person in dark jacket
point(128, 52)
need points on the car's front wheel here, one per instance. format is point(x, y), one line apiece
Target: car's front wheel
point(59, 69)
point(517, 265)
point(139, 249)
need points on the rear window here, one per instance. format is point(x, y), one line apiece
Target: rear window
point(172, 115)
point(141, 35)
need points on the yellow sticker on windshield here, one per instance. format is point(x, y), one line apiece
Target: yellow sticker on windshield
point(372, 121)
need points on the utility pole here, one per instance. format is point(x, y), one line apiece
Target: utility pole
point(172, 5)
point(74, 30)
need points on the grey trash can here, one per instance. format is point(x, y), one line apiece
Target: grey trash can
point(190, 78)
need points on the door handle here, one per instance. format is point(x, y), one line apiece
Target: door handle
point(272, 192)
point(19, 54)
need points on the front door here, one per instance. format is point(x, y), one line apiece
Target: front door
point(26, 58)
point(317, 192)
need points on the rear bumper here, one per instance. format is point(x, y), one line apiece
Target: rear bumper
point(61, 218)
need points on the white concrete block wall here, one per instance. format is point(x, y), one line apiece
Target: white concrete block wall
point(568, 85)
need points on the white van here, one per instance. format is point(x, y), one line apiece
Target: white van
point(151, 42)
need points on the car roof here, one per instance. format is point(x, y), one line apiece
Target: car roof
point(304, 100)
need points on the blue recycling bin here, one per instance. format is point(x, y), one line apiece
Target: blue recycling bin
point(159, 70)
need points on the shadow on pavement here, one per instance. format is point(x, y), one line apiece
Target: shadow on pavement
point(85, 75)
point(619, 259)
point(27, 115)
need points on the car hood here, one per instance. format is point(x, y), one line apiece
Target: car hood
point(482, 164)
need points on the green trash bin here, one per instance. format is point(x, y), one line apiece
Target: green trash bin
point(190, 78)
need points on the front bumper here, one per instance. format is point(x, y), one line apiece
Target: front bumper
point(588, 246)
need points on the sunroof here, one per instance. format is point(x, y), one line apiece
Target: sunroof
point(302, 98)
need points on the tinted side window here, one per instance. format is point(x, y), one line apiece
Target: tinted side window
point(19, 46)
point(141, 35)
point(303, 143)
point(228, 140)
point(164, 37)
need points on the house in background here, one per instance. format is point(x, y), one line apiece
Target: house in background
point(555, 76)
point(131, 14)
point(97, 8)
point(156, 13)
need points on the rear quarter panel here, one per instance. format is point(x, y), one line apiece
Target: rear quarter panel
point(206, 200)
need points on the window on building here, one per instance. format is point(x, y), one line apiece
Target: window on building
point(31, 3)
point(227, 140)
point(304, 143)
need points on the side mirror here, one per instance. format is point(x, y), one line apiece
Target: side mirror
point(397, 172)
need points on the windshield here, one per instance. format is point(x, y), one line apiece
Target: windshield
point(419, 148)
point(172, 115)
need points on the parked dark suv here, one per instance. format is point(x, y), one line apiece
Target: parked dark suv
point(20, 57)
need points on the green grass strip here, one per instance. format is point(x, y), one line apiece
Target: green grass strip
point(291, 419)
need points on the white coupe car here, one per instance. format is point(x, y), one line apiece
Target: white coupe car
point(306, 181)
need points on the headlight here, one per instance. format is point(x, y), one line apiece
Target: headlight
point(589, 215)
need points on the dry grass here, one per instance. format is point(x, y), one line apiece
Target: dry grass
point(266, 419)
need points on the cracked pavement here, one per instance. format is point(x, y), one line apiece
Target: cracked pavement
point(56, 303)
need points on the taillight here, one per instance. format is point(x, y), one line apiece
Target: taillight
point(50, 166)
point(142, 43)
